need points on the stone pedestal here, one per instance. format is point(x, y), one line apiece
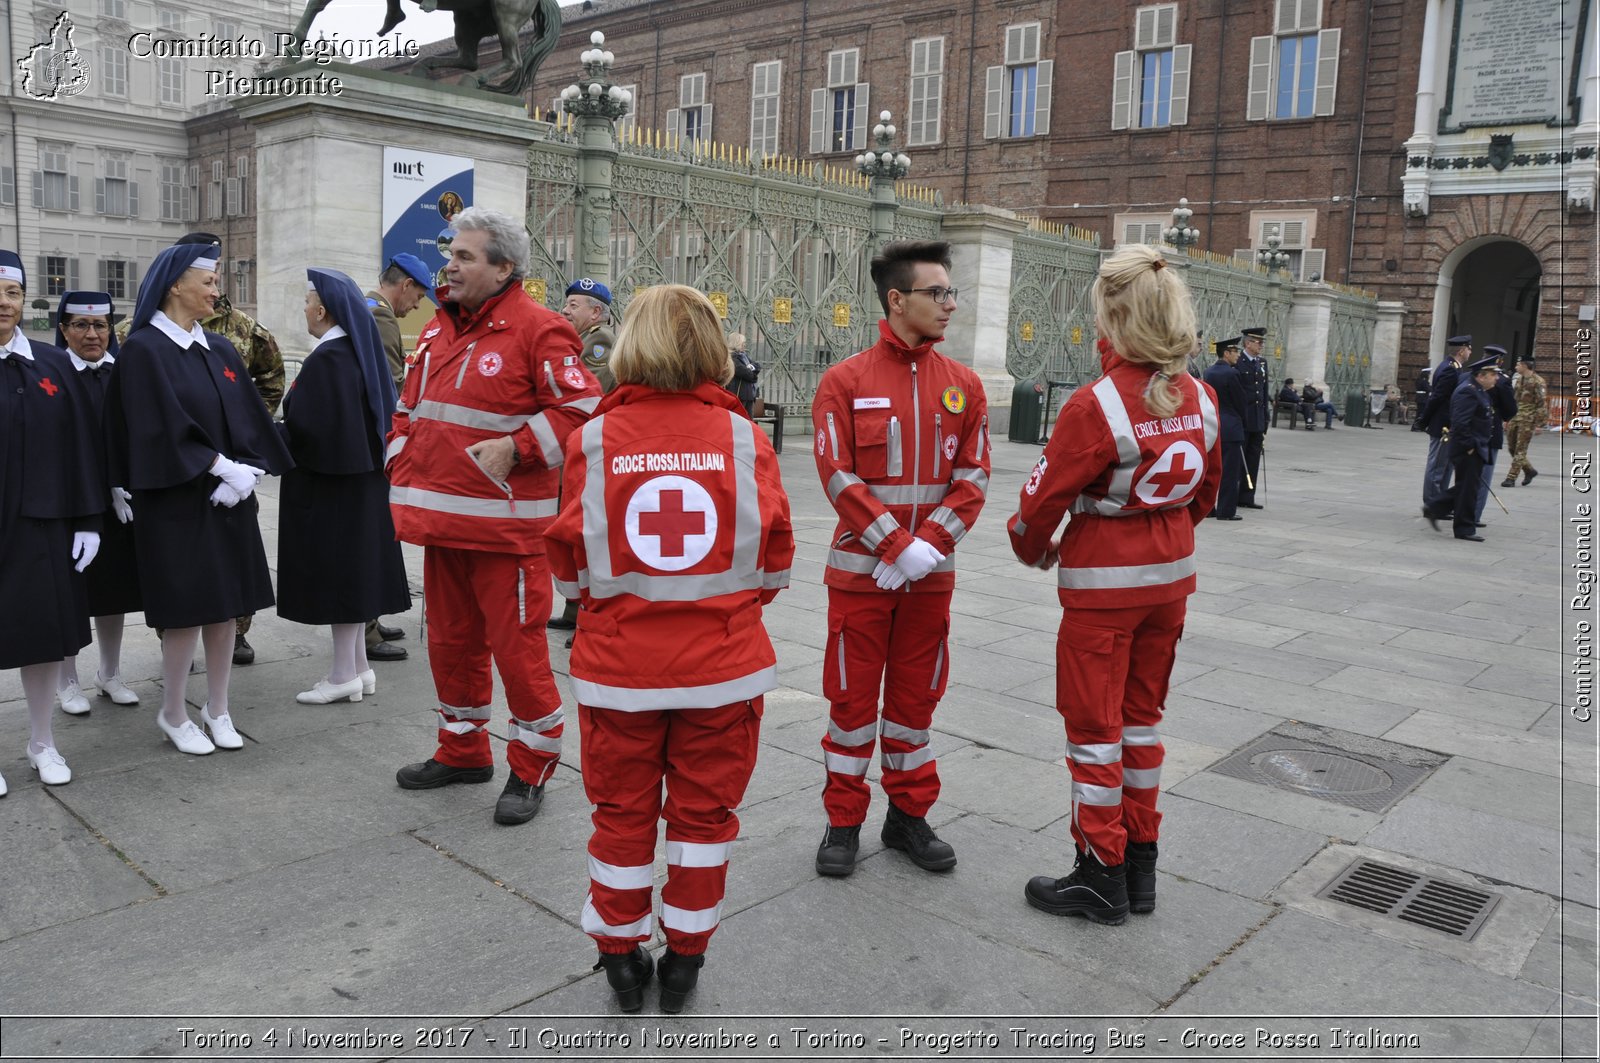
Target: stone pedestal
point(319, 174)
point(1305, 350)
point(1386, 344)
point(981, 240)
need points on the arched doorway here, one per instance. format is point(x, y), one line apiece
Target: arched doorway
point(1488, 287)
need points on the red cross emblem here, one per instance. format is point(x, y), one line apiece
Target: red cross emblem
point(49, 386)
point(1172, 475)
point(671, 523)
point(1175, 476)
point(230, 375)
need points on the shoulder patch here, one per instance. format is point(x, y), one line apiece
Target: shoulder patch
point(954, 399)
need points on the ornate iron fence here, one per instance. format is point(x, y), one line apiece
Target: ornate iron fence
point(1348, 363)
point(1230, 296)
point(1050, 327)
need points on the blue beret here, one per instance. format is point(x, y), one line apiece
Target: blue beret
point(417, 270)
point(592, 288)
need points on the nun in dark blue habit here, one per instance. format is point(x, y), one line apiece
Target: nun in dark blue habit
point(84, 329)
point(338, 560)
point(190, 439)
point(52, 495)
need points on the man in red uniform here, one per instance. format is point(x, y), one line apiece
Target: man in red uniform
point(494, 387)
point(903, 452)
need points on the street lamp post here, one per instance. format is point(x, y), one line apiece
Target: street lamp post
point(1180, 233)
point(596, 102)
point(884, 165)
point(1271, 257)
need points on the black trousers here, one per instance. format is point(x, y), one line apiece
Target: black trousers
point(1232, 476)
point(1252, 464)
point(1469, 474)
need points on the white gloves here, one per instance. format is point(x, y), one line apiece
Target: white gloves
point(888, 577)
point(917, 560)
point(84, 546)
point(119, 504)
point(225, 496)
point(242, 478)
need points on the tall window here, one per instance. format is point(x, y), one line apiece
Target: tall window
point(170, 74)
point(1294, 72)
point(114, 70)
point(927, 91)
point(765, 83)
point(114, 194)
point(1296, 233)
point(691, 119)
point(1150, 84)
point(54, 188)
point(839, 111)
point(1017, 96)
point(114, 8)
point(172, 191)
point(60, 274)
point(1140, 228)
point(239, 290)
point(628, 122)
point(116, 278)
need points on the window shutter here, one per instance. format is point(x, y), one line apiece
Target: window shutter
point(242, 166)
point(8, 185)
point(835, 68)
point(1180, 83)
point(1144, 28)
point(132, 268)
point(72, 194)
point(1260, 95)
point(1166, 25)
point(1327, 72)
point(1313, 261)
point(105, 275)
point(38, 194)
point(194, 176)
point(216, 169)
point(72, 273)
point(675, 122)
point(1122, 90)
point(231, 196)
point(705, 122)
point(819, 121)
point(133, 199)
point(1287, 19)
point(851, 71)
point(1155, 27)
point(994, 110)
point(1267, 230)
point(1014, 47)
point(1041, 105)
point(1292, 233)
point(858, 135)
point(1310, 14)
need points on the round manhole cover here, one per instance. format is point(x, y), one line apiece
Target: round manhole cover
point(1312, 771)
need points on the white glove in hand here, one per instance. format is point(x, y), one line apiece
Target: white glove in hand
point(242, 478)
point(918, 559)
point(84, 546)
point(888, 577)
point(225, 496)
point(120, 506)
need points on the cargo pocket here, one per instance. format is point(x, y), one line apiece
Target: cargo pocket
point(941, 663)
point(1090, 675)
point(872, 444)
point(834, 680)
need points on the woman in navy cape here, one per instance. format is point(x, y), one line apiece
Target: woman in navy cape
point(190, 439)
point(52, 495)
point(338, 560)
point(84, 329)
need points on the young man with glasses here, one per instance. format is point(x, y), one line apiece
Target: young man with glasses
point(903, 451)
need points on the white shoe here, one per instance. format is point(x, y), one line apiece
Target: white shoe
point(73, 703)
point(369, 682)
point(186, 736)
point(326, 693)
point(3, 789)
point(115, 689)
point(222, 733)
point(51, 766)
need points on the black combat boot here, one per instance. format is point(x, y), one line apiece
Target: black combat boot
point(836, 855)
point(678, 976)
point(1528, 473)
point(1098, 893)
point(913, 836)
point(628, 972)
point(1141, 864)
point(430, 774)
point(518, 801)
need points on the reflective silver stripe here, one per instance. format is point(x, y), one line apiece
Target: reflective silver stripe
point(543, 723)
point(983, 438)
point(840, 764)
point(467, 417)
point(632, 877)
point(570, 591)
point(833, 436)
point(902, 733)
point(1208, 417)
point(775, 580)
point(938, 668)
point(977, 476)
point(848, 562)
point(909, 494)
point(1141, 778)
point(1100, 796)
point(647, 699)
point(691, 921)
point(1116, 415)
point(593, 924)
point(459, 727)
point(896, 451)
point(545, 436)
point(697, 854)
point(906, 761)
point(946, 518)
point(394, 448)
point(550, 378)
point(1140, 736)
point(588, 404)
point(464, 506)
point(859, 737)
point(471, 712)
point(1098, 753)
point(839, 481)
point(521, 731)
point(402, 408)
point(1113, 578)
point(843, 672)
point(1020, 530)
point(522, 597)
point(878, 530)
point(937, 445)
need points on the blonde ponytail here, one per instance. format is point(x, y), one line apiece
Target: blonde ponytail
point(1146, 312)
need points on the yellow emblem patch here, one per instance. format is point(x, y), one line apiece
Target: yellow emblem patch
point(954, 399)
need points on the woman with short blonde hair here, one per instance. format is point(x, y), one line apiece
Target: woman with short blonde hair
point(671, 341)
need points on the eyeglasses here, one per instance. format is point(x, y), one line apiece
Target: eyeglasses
point(942, 296)
point(89, 326)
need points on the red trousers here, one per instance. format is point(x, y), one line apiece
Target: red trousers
point(484, 605)
point(1112, 671)
point(901, 642)
point(705, 756)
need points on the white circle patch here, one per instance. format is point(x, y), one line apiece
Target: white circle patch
point(822, 441)
point(671, 523)
point(574, 378)
point(490, 363)
point(1173, 476)
point(950, 445)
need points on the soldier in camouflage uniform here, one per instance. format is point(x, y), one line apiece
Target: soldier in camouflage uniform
point(1533, 413)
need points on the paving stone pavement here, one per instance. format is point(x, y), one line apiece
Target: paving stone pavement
point(293, 881)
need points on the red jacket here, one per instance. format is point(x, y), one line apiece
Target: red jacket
point(1136, 486)
point(512, 369)
point(903, 451)
point(674, 531)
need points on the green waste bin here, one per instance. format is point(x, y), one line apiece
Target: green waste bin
point(1027, 412)
point(1355, 408)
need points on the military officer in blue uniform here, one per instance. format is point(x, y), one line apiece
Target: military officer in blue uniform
point(1231, 413)
point(1504, 401)
point(1252, 370)
point(1472, 418)
point(1434, 418)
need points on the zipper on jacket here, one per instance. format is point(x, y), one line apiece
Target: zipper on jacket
point(504, 487)
point(895, 459)
point(938, 666)
point(466, 360)
point(522, 608)
point(937, 437)
point(916, 446)
point(833, 435)
point(843, 684)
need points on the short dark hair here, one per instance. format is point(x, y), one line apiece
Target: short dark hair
point(895, 265)
point(394, 275)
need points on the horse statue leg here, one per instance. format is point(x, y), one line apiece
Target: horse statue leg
point(508, 19)
point(466, 58)
point(303, 27)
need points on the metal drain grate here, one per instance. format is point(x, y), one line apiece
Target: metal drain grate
point(1434, 903)
point(1331, 765)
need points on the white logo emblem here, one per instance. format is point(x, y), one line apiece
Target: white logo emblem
point(950, 445)
point(490, 363)
point(586, 284)
point(573, 377)
point(1175, 473)
point(671, 523)
point(1032, 486)
point(822, 441)
point(55, 68)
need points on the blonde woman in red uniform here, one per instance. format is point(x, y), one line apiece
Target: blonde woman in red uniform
point(1136, 459)
point(674, 532)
